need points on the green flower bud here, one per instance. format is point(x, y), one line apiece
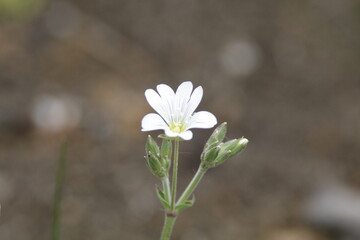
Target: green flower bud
point(217, 136)
point(152, 146)
point(166, 151)
point(212, 146)
point(153, 158)
point(230, 149)
point(210, 155)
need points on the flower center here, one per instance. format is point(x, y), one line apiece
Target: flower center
point(177, 127)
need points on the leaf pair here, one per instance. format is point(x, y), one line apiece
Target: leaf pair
point(166, 204)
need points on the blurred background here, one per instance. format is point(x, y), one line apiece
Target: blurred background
point(284, 74)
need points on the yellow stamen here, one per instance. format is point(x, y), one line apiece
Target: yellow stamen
point(177, 127)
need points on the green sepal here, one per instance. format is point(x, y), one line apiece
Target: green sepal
point(230, 149)
point(151, 146)
point(212, 146)
point(209, 155)
point(185, 205)
point(155, 166)
point(155, 163)
point(162, 198)
point(217, 136)
point(216, 152)
point(165, 152)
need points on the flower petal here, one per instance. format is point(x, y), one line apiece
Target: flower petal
point(165, 91)
point(170, 133)
point(156, 103)
point(194, 102)
point(152, 121)
point(167, 95)
point(182, 97)
point(184, 90)
point(187, 135)
point(203, 119)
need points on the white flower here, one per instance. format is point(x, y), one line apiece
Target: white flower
point(176, 111)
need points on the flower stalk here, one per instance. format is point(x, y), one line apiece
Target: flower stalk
point(192, 185)
point(174, 176)
point(166, 186)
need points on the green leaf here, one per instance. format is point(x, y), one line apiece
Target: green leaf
point(162, 198)
point(185, 205)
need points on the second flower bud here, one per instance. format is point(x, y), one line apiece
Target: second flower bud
point(216, 152)
point(158, 161)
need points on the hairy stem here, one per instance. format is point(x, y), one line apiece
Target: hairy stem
point(174, 175)
point(166, 187)
point(168, 227)
point(192, 185)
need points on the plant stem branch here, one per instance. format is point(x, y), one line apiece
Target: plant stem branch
point(192, 185)
point(174, 175)
point(170, 215)
point(166, 187)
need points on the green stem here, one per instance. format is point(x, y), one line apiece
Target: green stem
point(192, 185)
point(168, 227)
point(174, 175)
point(166, 187)
point(59, 182)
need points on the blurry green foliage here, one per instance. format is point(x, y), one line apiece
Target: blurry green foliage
point(20, 9)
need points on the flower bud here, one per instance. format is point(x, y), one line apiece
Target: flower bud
point(212, 146)
point(217, 136)
point(166, 151)
point(230, 149)
point(208, 156)
point(151, 146)
point(153, 158)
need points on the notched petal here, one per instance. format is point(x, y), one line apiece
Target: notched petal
point(194, 101)
point(165, 91)
point(182, 95)
point(153, 99)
